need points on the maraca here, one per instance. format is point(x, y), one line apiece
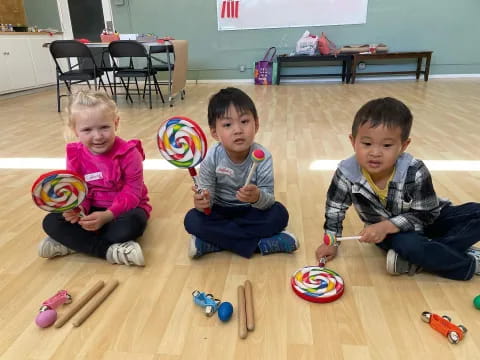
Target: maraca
point(257, 157)
point(183, 143)
point(330, 239)
point(47, 315)
point(59, 191)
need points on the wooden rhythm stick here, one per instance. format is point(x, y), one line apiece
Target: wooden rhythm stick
point(76, 306)
point(249, 306)
point(95, 303)
point(242, 316)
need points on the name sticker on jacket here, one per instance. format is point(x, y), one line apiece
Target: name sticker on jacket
point(93, 176)
point(224, 170)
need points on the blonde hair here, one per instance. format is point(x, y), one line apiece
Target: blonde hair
point(88, 99)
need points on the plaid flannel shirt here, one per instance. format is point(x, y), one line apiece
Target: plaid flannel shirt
point(411, 201)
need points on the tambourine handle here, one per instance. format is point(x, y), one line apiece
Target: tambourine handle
point(193, 174)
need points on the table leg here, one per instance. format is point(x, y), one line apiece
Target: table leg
point(349, 70)
point(353, 70)
point(279, 65)
point(427, 67)
point(419, 67)
point(344, 71)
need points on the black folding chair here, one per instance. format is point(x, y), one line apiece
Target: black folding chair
point(78, 65)
point(139, 66)
point(104, 63)
point(161, 57)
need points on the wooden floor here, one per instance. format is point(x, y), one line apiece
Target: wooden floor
point(151, 314)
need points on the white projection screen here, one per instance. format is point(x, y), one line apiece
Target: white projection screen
point(263, 14)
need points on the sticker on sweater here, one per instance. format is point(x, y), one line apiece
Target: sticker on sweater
point(93, 176)
point(224, 170)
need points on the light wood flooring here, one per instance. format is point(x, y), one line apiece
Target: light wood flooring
point(151, 315)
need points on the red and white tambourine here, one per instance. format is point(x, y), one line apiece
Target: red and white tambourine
point(317, 284)
point(59, 191)
point(183, 143)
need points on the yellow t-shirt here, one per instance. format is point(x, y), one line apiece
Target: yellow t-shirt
point(381, 193)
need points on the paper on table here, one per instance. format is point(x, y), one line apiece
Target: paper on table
point(128, 36)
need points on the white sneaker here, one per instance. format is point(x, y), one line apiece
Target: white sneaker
point(49, 248)
point(127, 253)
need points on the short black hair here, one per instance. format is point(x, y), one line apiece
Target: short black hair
point(221, 101)
point(387, 111)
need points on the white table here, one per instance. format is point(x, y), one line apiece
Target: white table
point(168, 47)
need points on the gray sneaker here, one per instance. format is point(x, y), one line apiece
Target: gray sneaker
point(475, 252)
point(396, 265)
point(127, 253)
point(49, 248)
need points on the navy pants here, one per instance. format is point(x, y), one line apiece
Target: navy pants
point(441, 247)
point(128, 226)
point(237, 229)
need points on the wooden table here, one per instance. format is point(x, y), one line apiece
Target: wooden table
point(314, 60)
point(419, 55)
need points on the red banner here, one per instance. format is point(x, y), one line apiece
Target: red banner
point(230, 9)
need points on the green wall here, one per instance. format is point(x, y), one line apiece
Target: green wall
point(42, 13)
point(449, 28)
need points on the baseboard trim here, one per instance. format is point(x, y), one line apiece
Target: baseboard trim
point(336, 80)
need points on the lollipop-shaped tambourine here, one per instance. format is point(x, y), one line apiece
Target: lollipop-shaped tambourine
point(58, 191)
point(317, 284)
point(183, 143)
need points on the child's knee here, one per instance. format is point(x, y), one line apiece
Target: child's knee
point(281, 213)
point(409, 245)
point(50, 222)
point(122, 232)
point(474, 207)
point(192, 220)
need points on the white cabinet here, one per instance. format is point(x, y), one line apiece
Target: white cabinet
point(25, 63)
point(43, 63)
point(18, 64)
point(5, 83)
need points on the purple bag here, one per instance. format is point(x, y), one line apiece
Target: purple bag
point(264, 68)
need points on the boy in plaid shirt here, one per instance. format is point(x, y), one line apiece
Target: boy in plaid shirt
point(393, 194)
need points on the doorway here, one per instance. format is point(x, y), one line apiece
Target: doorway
point(85, 18)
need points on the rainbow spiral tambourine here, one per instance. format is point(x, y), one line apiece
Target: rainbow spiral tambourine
point(59, 191)
point(317, 284)
point(182, 142)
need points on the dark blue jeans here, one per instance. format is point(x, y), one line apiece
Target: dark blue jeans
point(237, 229)
point(441, 247)
point(128, 226)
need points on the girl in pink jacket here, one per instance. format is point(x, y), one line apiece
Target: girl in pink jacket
point(116, 208)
